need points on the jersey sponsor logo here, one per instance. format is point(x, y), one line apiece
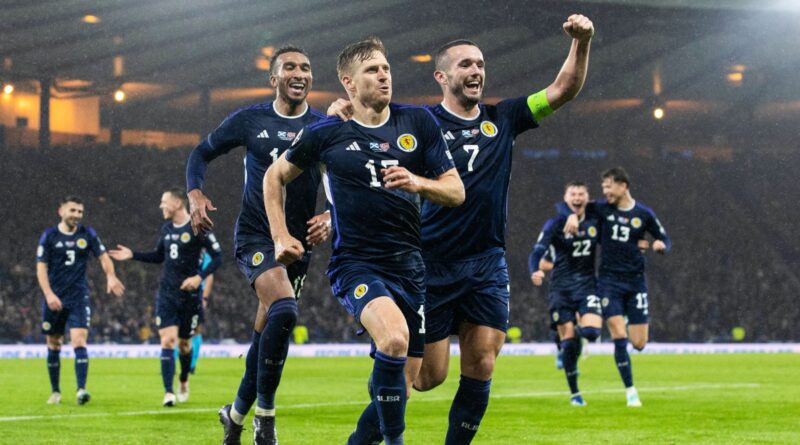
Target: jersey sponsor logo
point(555, 317)
point(636, 223)
point(360, 291)
point(610, 218)
point(592, 231)
point(449, 136)
point(263, 135)
point(488, 129)
point(40, 251)
point(59, 244)
point(166, 237)
point(46, 326)
point(257, 259)
point(353, 147)
point(286, 135)
point(379, 147)
point(185, 237)
point(82, 243)
point(407, 142)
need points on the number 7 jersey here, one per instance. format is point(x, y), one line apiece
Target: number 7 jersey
point(481, 149)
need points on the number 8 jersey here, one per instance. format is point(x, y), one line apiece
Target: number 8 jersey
point(481, 149)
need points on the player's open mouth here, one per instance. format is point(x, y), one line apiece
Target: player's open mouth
point(297, 87)
point(473, 86)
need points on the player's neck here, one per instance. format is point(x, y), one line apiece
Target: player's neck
point(626, 203)
point(288, 109)
point(65, 229)
point(369, 116)
point(180, 219)
point(458, 109)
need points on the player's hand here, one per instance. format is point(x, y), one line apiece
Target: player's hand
point(579, 27)
point(571, 226)
point(288, 250)
point(342, 108)
point(537, 278)
point(192, 283)
point(199, 206)
point(121, 253)
point(396, 177)
point(659, 246)
point(53, 302)
point(319, 228)
point(643, 245)
point(114, 286)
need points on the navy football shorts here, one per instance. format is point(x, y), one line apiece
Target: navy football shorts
point(474, 290)
point(75, 312)
point(564, 304)
point(181, 310)
point(258, 256)
point(624, 297)
point(357, 283)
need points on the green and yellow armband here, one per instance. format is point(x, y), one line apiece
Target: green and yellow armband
point(539, 106)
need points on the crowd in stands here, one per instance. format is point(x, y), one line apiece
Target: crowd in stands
point(732, 222)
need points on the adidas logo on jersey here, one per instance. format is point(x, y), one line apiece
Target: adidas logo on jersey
point(263, 135)
point(353, 147)
point(449, 136)
point(59, 244)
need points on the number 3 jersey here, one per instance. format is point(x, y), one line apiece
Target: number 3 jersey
point(180, 250)
point(481, 150)
point(370, 222)
point(66, 256)
point(573, 255)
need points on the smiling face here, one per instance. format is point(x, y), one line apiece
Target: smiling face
point(614, 191)
point(71, 214)
point(169, 205)
point(576, 196)
point(291, 77)
point(462, 74)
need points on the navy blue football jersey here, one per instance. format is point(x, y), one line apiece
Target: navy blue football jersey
point(66, 257)
point(370, 222)
point(265, 134)
point(180, 250)
point(481, 150)
point(620, 234)
point(573, 255)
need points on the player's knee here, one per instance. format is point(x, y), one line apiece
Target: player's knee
point(286, 309)
point(638, 344)
point(168, 341)
point(590, 333)
point(480, 368)
point(185, 345)
point(427, 380)
point(394, 344)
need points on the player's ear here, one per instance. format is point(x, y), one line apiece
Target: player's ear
point(347, 83)
point(273, 81)
point(440, 76)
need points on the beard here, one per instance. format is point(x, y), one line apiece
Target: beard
point(466, 101)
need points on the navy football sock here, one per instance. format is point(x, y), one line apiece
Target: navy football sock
point(570, 346)
point(467, 410)
point(54, 368)
point(623, 361)
point(167, 368)
point(273, 348)
point(186, 366)
point(389, 384)
point(246, 395)
point(81, 366)
point(368, 430)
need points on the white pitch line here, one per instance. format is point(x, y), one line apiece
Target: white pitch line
point(362, 402)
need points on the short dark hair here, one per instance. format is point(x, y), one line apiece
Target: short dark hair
point(617, 174)
point(71, 198)
point(441, 52)
point(179, 193)
point(359, 51)
point(576, 184)
point(283, 50)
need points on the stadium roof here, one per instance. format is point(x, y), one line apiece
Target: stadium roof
point(700, 54)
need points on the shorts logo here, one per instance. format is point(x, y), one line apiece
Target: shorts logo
point(605, 302)
point(46, 326)
point(360, 291)
point(488, 129)
point(82, 243)
point(185, 237)
point(636, 223)
point(555, 317)
point(158, 321)
point(592, 231)
point(258, 258)
point(407, 142)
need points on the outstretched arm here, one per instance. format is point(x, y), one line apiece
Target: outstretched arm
point(570, 79)
point(113, 284)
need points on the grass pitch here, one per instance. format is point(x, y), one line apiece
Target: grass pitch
point(688, 399)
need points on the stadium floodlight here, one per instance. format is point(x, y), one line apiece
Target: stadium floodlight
point(8, 88)
point(658, 113)
point(119, 95)
point(91, 19)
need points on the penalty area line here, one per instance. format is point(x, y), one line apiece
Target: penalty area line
point(418, 399)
